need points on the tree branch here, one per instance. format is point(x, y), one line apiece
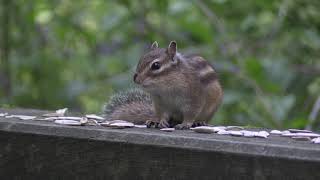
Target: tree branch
point(314, 113)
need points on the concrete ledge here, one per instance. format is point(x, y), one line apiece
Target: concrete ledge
point(44, 150)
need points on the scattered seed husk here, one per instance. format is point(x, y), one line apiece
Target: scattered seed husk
point(92, 122)
point(62, 111)
point(214, 128)
point(234, 128)
point(68, 122)
point(285, 132)
point(3, 114)
point(316, 140)
point(64, 118)
point(262, 134)
point(59, 112)
point(127, 125)
point(119, 124)
point(104, 124)
point(223, 132)
point(301, 138)
point(299, 130)
point(167, 129)
point(115, 121)
point(235, 133)
point(84, 121)
point(107, 123)
point(93, 116)
point(140, 126)
point(48, 119)
point(21, 117)
point(277, 132)
point(204, 129)
point(220, 127)
point(301, 134)
point(246, 133)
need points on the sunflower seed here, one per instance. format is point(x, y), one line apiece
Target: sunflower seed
point(203, 129)
point(64, 118)
point(220, 127)
point(59, 112)
point(68, 122)
point(277, 132)
point(140, 126)
point(248, 133)
point(104, 124)
point(167, 129)
point(115, 121)
point(316, 140)
point(62, 111)
point(93, 116)
point(3, 114)
point(263, 134)
point(234, 128)
point(285, 132)
point(92, 122)
point(236, 133)
point(301, 134)
point(21, 117)
point(223, 132)
point(213, 128)
point(299, 130)
point(118, 125)
point(84, 121)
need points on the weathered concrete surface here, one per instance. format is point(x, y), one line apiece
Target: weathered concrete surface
point(43, 150)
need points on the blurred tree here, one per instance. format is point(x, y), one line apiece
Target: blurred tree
point(5, 80)
point(77, 53)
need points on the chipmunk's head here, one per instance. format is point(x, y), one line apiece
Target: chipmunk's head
point(157, 67)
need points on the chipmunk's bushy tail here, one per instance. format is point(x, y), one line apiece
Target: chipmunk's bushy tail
point(133, 105)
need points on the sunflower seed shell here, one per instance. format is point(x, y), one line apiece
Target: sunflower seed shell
point(3, 114)
point(93, 116)
point(299, 131)
point(276, 132)
point(167, 129)
point(21, 117)
point(68, 122)
point(316, 140)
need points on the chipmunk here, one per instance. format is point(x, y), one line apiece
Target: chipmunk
point(177, 91)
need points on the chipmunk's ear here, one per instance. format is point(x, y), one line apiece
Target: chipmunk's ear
point(154, 45)
point(172, 49)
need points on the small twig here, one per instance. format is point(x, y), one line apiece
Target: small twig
point(214, 19)
point(282, 14)
point(259, 93)
point(314, 113)
point(307, 69)
point(225, 44)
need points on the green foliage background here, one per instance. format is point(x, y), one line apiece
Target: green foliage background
point(76, 53)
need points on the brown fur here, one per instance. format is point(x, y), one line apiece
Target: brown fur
point(136, 112)
point(184, 90)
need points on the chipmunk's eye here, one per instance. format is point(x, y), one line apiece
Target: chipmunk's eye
point(155, 66)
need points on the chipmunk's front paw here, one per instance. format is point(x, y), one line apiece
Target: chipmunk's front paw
point(164, 124)
point(152, 124)
point(183, 126)
point(195, 124)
